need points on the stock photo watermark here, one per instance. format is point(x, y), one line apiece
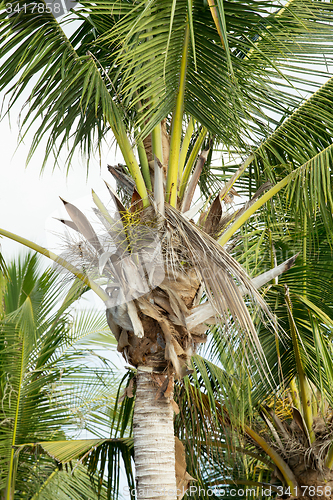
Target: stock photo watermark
point(214, 491)
point(57, 8)
point(219, 491)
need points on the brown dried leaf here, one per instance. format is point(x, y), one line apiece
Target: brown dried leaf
point(112, 325)
point(123, 340)
point(175, 407)
point(83, 225)
point(149, 309)
point(168, 393)
point(129, 389)
point(182, 477)
point(162, 382)
point(297, 416)
point(164, 303)
point(121, 208)
point(69, 223)
point(178, 307)
point(122, 178)
point(136, 202)
point(128, 392)
point(178, 349)
point(214, 216)
point(198, 339)
point(160, 379)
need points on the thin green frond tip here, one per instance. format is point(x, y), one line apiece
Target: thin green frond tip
point(251, 210)
point(59, 260)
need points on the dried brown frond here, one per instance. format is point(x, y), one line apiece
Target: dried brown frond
point(221, 274)
point(154, 267)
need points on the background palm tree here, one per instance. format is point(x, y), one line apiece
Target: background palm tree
point(180, 75)
point(279, 438)
point(49, 389)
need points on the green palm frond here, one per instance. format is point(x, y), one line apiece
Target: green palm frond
point(86, 105)
point(111, 64)
point(74, 484)
point(310, 287)
point(102, 457)
point(213, 430)
point(46, 386)
point(302, 147)
point(3, 267)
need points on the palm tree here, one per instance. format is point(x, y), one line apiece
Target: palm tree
point(48, 390)
point(272, 440)
point(180, 76)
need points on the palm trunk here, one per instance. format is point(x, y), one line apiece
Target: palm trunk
point(154, 442)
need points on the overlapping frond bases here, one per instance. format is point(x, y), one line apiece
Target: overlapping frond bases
point(156, 270)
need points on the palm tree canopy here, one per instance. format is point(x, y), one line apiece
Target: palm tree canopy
point(123, 63)
point(195, 73)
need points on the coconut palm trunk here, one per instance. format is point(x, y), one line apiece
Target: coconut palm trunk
point(154, 440)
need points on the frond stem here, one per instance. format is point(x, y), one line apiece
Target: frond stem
point(190, 162)
point(176, 131)
point(303, 383)
point(59, 260)
point(253, 208)
point(51, 476)
point(12, 452)
point(277, 459)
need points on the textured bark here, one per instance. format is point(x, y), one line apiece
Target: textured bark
point(154, 442)
point(314, 484)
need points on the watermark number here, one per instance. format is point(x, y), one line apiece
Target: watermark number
point(57, 8)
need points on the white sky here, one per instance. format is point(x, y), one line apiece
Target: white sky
point(28, 200)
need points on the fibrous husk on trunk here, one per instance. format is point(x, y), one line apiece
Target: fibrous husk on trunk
point(289, 436)
point(156, 269)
